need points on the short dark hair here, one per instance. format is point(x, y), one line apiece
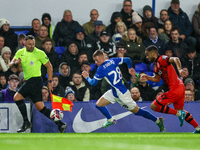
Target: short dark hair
point(151, 48)
point(174, 29)
point(13, 77)
point(35, 19)
point(77, 72)
point(47, 40)
point(127, 1)
point(98, 53)
point(29, 37)
point(82, 53)
point(2, 37)
point(164, 10)
point(21, 36)
point(55, 76)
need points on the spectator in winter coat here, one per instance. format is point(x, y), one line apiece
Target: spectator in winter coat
point(10, 38)
point(65, 30)
point(180, 19)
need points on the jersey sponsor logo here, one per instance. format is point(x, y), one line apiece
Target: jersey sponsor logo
point(160, 72)
point(31, 63)
point(80, 126)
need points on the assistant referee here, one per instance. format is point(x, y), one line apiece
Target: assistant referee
point(31, 60)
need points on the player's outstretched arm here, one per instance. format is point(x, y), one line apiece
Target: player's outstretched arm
point(155, 78)
point(91, 81)
point(49, 72)
point(177, 61)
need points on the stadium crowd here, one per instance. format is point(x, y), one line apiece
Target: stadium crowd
point(70, 46)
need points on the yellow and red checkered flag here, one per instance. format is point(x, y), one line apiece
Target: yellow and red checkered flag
point(61, 103)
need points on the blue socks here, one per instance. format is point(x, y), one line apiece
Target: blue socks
point(104, 111)
point(146, 114)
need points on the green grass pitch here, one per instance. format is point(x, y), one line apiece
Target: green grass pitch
point(99, 141)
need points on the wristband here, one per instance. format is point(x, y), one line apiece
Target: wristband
point(13, 63)
point(49, 81)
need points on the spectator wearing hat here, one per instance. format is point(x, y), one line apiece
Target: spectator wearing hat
point(155, 40)
point(148, 16)
point(190, 85)
point(65, 74)
point(192, 60)
point(10, 38)
point(65, 30)
point(177, 45)
point(85, 44)
point(180, 19)
point(95, 92)
point(35, 27)
point(115, 18)
point(106, 44)
point(79, 87)
point(46, 21)
point(98, 28)
point(5, 58)
point(42, 35)
point(2, 41)
point(70, 94)
point(89, 26)
point(135, 49)
point(6, 95)
point(137, 24)
point(120, 31)
point(70, 56)
point(45, 94)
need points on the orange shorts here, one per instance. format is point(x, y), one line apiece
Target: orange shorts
point(175, 96)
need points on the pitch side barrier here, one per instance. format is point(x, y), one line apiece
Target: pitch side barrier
point(85, 118)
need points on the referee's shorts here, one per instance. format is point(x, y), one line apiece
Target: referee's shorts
point(32, 88)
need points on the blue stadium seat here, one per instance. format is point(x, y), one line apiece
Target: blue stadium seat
point(141, 67)
point(151, 67)
point(59, 50)
point(21, 32)
point(53, 73)
point(154, 84)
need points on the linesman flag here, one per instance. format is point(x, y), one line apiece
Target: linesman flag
point(61, 103)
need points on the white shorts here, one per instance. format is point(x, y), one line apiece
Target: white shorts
point(124, 100)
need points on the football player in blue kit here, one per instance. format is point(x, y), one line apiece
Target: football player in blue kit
point(109, 69)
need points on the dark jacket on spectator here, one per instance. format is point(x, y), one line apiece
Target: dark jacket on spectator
point(10, 39)
point(64, 80)
point(181, 21)
point(179, 49)
point(59, 91)
point(192, 65)
point(31, 32)
point(71, 60)
point(127, 19)
point(87, 46)
point(54, 59)
point(111, 27)
point(64, 32)
point(147, 92)
point(160, 45)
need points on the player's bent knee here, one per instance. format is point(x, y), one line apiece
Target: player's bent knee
point(135, 110)
point(18, 97)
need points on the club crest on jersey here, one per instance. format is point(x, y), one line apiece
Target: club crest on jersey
point(31, 63)
point(164, 57)
point(159, 72)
